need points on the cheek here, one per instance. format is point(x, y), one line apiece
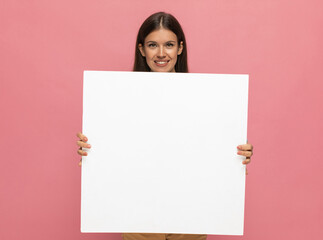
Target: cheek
point(174, 56)
point(173, 53)
point(150, 53)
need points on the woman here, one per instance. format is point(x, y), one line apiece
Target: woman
point(161, 47)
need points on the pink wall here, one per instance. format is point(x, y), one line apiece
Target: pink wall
point(45, 46)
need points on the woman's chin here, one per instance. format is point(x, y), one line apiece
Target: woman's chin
point(163, 70)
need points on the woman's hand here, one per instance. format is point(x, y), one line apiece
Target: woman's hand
point(82, 144)
point(245, 150)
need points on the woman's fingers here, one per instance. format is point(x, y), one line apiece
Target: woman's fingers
point(81, 152)
point(245, 150)
point(83, 144)
point(82, 137)
point(245, 153)
point(247, 161)
point(245, 147)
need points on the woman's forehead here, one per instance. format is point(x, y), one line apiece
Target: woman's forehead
point(161, 35)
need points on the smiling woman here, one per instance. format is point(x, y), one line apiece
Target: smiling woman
point(161, 47)
point(160, 50)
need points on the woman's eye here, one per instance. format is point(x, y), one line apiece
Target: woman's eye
point(169, 44)
point(152, 45)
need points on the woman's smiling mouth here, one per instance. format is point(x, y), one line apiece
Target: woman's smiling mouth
point(161, 63)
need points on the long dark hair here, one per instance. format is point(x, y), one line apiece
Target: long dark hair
point(154, 22)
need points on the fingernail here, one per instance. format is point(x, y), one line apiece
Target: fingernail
point(239, 152)
point(88, 145)
point(239, 147)
point(85, 139)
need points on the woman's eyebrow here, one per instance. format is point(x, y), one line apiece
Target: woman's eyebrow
point(156, 42)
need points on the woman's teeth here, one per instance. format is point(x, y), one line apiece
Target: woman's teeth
point(162, 63)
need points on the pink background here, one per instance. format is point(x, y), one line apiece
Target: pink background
point(45, 46)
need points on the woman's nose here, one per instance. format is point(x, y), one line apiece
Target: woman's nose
point(161, 52)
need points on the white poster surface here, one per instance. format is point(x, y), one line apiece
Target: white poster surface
point(164, 152)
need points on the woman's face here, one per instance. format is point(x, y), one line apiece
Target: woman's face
point(161, 50)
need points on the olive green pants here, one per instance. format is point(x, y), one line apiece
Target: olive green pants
point(160, 236)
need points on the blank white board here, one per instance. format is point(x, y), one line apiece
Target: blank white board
point(164, 152)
